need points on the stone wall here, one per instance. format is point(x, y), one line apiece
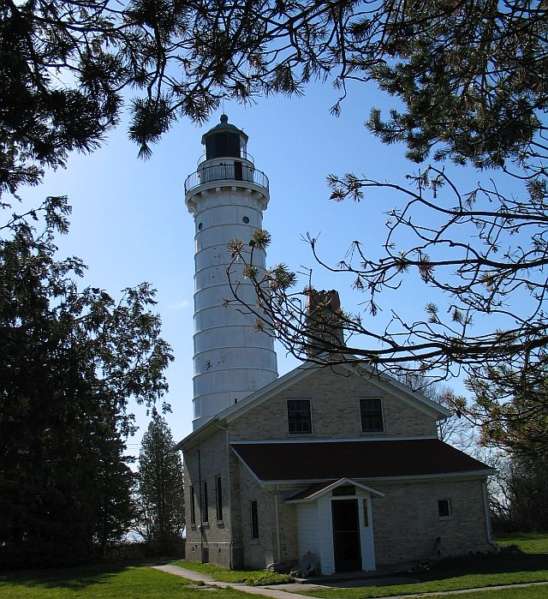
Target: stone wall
point(261, 551)
point(289, 546)
point(277, 520)
point(335, 409)
point(406, 522)
point(203, 464)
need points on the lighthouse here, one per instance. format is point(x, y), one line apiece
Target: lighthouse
point(226, 196)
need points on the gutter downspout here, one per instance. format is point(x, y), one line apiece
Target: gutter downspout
point(277, 508)
point(200, 495)
point(487, 515)
point(229, 485)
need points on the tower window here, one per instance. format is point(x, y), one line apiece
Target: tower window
point(298, 416)
point(200, 226)
point(246, 219)
point(371, 413)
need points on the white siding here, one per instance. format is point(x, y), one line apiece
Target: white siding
point(308, 529)
point(325, 529)
point(232, 358)
point(366, 532)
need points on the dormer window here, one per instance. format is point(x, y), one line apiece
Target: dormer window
point(298, 416)
point(371, 413)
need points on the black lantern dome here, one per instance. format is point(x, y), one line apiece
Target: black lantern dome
point(225, 140)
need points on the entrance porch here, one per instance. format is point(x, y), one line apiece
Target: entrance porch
point(335, 523)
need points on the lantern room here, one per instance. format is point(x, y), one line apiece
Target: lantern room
point(225, 141)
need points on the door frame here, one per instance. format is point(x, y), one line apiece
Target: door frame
point(355, 500)
point(366, 533)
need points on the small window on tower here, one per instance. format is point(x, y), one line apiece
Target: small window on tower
point(246, 219)
point(200, 226)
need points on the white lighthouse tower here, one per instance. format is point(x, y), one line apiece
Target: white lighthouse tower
point(226, 196)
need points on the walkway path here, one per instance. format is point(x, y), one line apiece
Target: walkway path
point(284, 591)
point(196, 577)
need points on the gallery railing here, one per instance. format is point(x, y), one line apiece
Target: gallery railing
point(226, 172)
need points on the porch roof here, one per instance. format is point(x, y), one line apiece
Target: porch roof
point(333, 460)
point(315, 491)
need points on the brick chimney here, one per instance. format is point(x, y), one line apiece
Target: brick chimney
point(323, 321)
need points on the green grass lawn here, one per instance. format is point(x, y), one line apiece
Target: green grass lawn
point(105, 583)
point(529, 564)
point(528, 542)
point(251, 577)
point(525, 593)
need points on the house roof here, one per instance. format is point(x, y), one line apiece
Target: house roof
point(299, 373)
point(333, 460)
point(315, 491)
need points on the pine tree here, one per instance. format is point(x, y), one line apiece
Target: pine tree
point(71, 360)
point(469, 75)
point(160, 487)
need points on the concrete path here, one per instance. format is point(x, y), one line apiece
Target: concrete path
point(188, 574)
point(299, 587)
point(284, 591)
point(196, 577)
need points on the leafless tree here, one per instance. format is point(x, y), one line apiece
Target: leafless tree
point(457, 429)
point(484, 251)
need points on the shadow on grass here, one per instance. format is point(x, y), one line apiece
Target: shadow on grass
point(76, 577)
point(510, 559)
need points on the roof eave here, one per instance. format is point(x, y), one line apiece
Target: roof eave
point(381, 479)
point(389, 380)
point(211, 426)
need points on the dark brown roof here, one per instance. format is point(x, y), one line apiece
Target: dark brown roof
point(354, 459)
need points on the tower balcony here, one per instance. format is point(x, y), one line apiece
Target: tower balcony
point(236, 171)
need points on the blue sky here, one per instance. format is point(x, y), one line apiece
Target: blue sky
point(130, 223)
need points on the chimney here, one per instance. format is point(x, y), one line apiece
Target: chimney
point(324, 328)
